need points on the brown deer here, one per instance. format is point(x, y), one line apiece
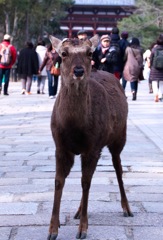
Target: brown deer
point(90, 112)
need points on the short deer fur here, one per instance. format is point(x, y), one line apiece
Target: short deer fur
point(90, 112)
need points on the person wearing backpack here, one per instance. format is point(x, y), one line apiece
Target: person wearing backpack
point(156, 66)
point(7, 60)
point(123, 43)
point(115, 45)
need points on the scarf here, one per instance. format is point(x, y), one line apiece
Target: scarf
point(104, 49)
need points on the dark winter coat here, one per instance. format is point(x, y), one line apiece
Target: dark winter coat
point(111, 59)
point(115, 44)
point(123, 43)
point(155, 74)
point(28, 63)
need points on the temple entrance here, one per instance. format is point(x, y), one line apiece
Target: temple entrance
point(96, 16)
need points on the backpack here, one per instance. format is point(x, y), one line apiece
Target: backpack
point(114, 52)
point(5, 55)
point(158, 59)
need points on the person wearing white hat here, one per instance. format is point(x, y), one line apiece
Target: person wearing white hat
point(7, 59)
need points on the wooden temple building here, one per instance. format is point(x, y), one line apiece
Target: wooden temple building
point(95, 16)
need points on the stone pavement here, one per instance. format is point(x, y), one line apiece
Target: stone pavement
point(27, 170)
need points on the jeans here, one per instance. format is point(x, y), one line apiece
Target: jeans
point(41, 83)
point(52, 84)
point(6, 73)
point(133, 85)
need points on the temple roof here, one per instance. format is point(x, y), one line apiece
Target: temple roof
point(106, 2)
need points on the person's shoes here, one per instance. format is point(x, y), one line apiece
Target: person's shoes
point(28, 93)
point(150, 91)
point(38, 91)
point(42, 93)
point(133, 96)
point(160, 100)
point(6, 94)
point(23, 91)
point(156, 98)
point(51, 97)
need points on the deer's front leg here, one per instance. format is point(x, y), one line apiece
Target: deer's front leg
point(88, 168)
point(64, 162)
point(55, 223)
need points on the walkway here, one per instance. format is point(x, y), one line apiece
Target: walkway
point(27, 166)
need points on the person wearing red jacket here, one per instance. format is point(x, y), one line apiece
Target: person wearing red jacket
point(5, 68)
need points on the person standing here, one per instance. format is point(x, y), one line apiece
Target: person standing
point(105, 56)
point(133, 66)
point(123, 43)
point(28, 66)
point(50, 59)
point(7, 60)
point(146, 71)
point(114, 44)
point(82, 35)
point(156, 73)
point(41, 51)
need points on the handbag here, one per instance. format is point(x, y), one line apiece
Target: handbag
point(55, 70)
point(141, 76)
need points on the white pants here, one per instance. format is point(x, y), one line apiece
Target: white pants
point(157, 88)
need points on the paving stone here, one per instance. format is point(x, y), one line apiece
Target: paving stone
point(5, 233)
point(150, 233)
point(18, 208)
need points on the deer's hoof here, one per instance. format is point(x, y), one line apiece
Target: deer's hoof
point(52, 236)
point(82, 235)
point(128, 214)
point(77, 216)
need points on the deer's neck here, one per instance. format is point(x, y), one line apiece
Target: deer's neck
point(75, 99)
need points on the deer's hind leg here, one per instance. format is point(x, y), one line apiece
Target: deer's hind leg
point(115, 151)
point(64, 162)
point(89, 163)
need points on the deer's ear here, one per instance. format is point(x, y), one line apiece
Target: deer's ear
point(55, 42)
point(94, 40)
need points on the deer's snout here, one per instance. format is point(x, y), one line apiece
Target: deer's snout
point(78, 71)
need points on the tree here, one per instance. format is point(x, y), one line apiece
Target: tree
point(28, 19)
point(146, 23)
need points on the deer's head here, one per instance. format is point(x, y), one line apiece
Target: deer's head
point(76, 57)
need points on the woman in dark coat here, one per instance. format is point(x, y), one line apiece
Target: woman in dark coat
point(105, 57)
point(28, 66)
point(156, 75)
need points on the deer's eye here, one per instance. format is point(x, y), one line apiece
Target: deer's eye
point(64, 54)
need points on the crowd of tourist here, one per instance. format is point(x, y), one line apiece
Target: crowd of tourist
point(114, 54)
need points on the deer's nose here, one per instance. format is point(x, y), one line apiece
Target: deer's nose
point(78, 71)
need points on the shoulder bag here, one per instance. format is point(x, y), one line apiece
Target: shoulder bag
point(140, 77)
point(55, 70)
